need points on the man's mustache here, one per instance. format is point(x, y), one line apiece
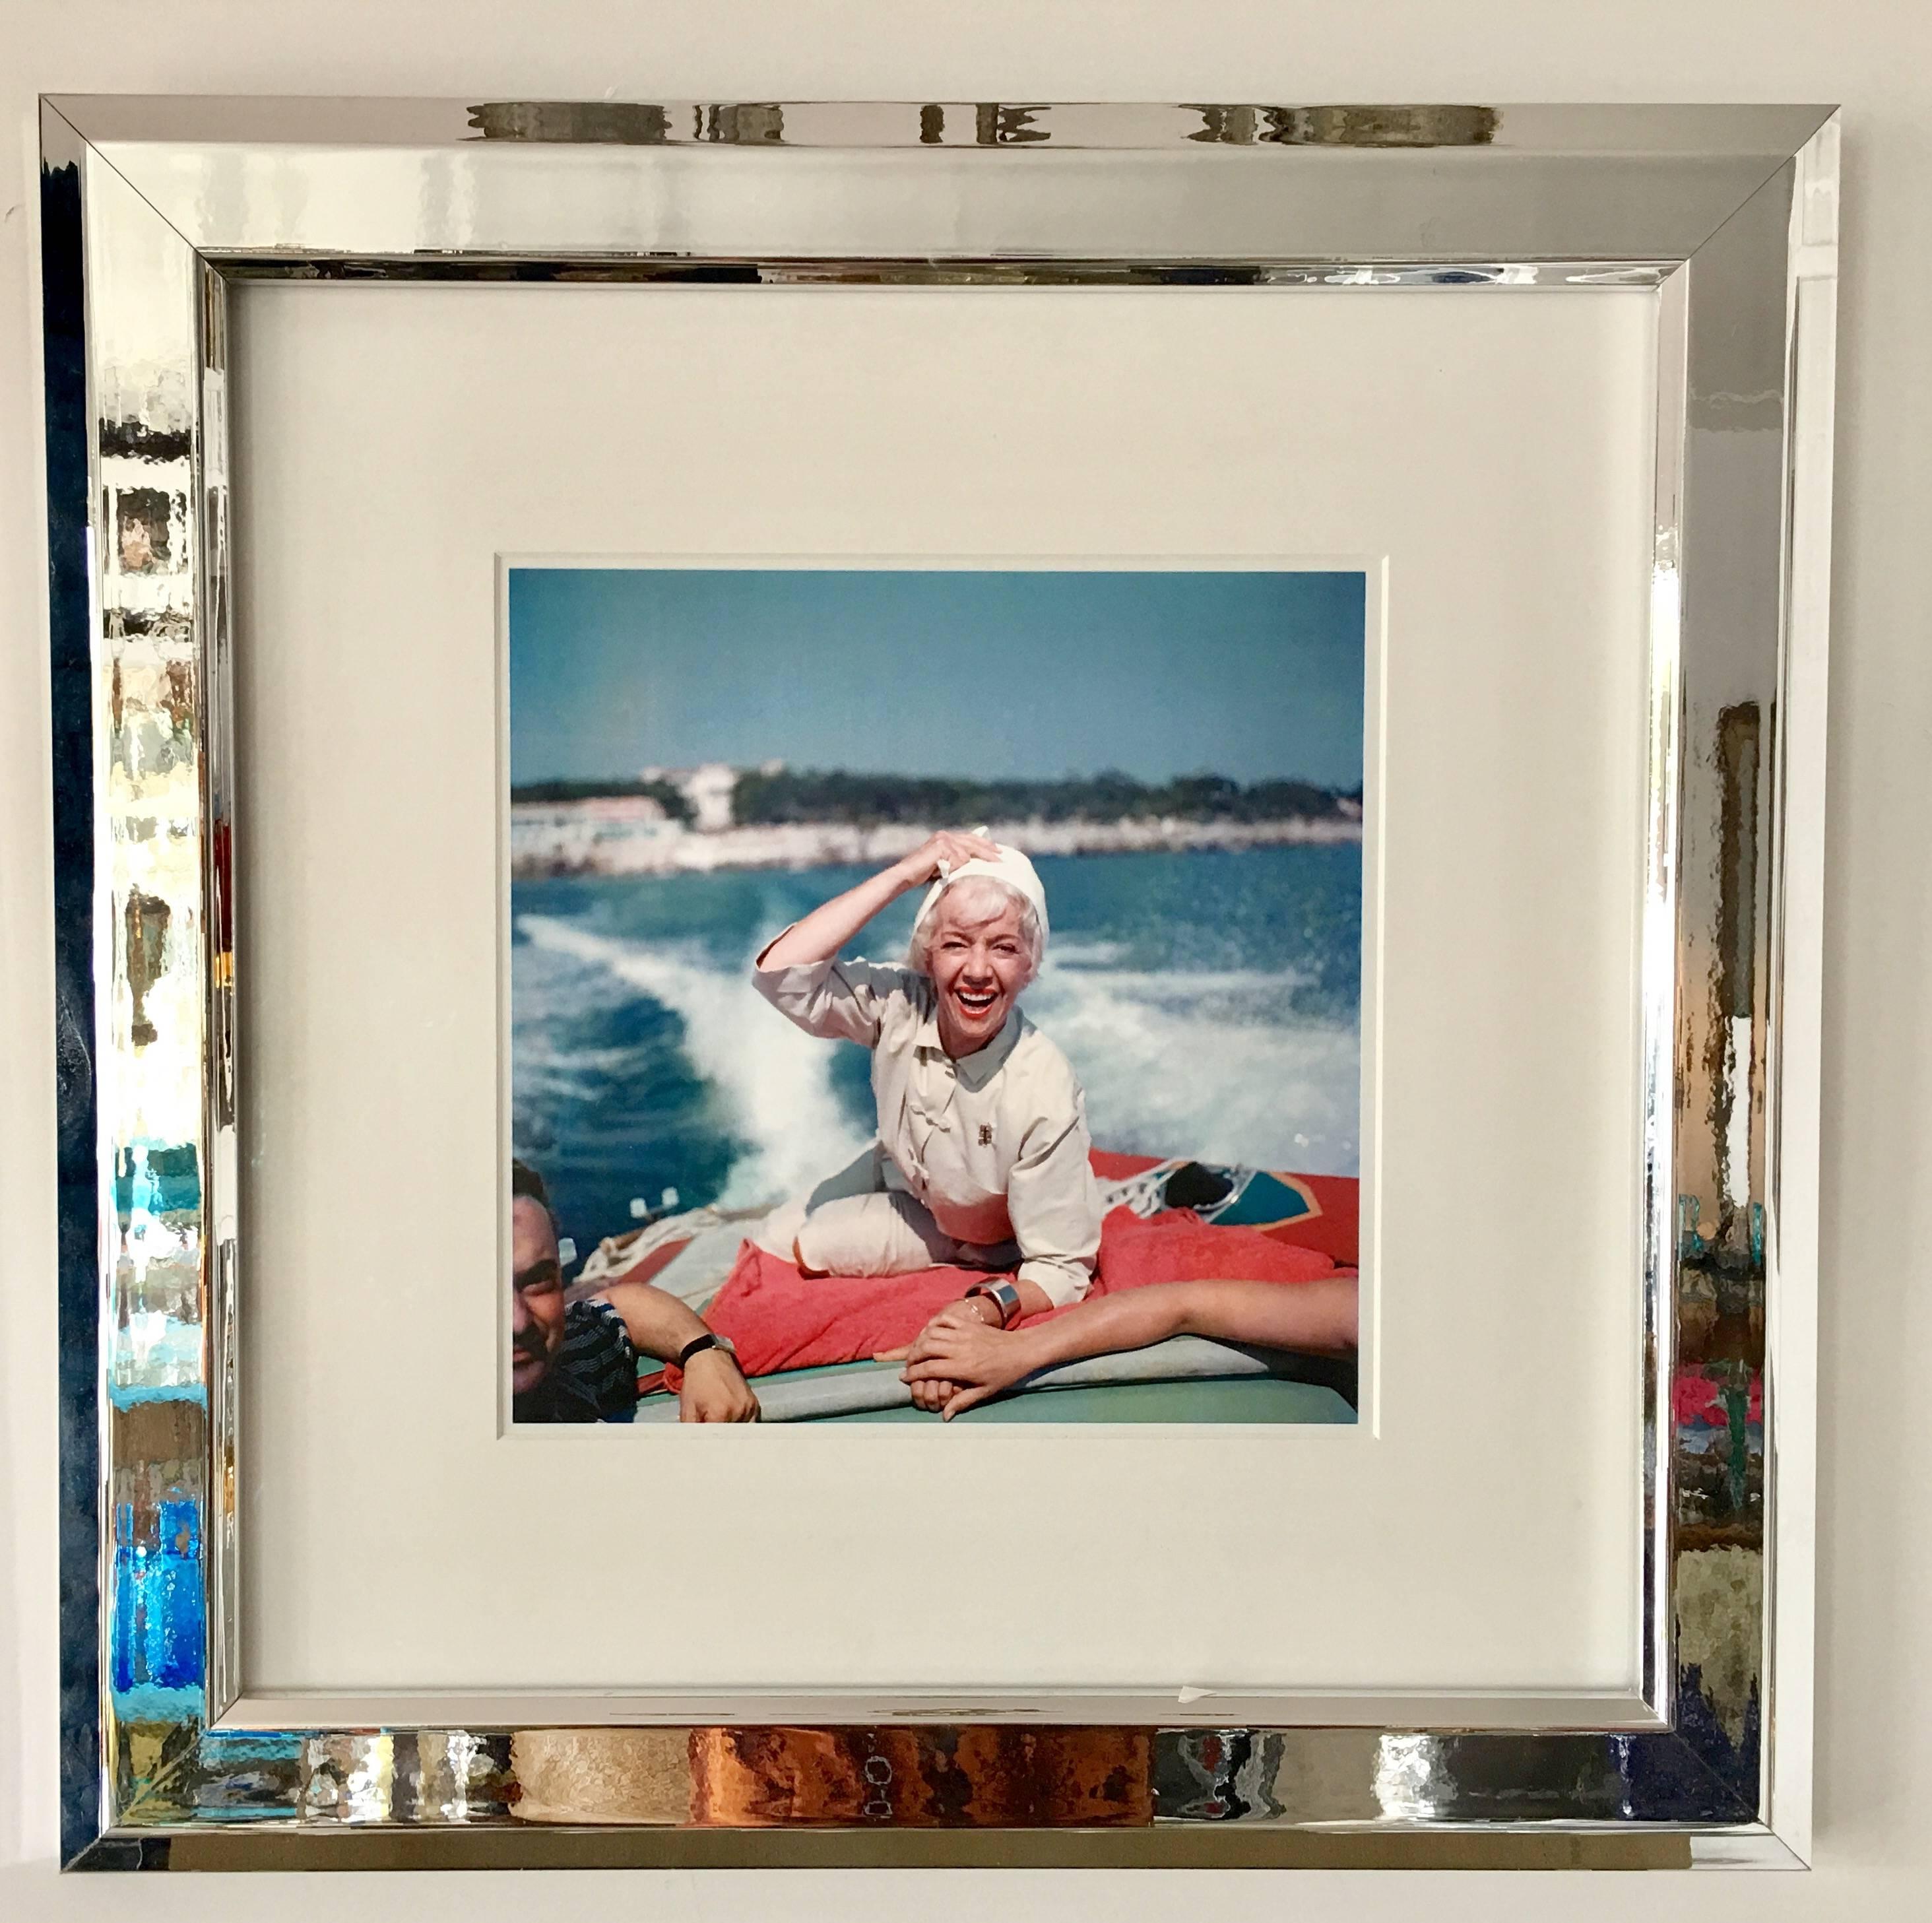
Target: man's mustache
point(530, 1341)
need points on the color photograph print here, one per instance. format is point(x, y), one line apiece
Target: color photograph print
point(935, 994)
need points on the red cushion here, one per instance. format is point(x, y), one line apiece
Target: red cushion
point(780, 1319)
point(1176, 1245)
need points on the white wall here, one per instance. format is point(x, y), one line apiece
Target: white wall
point(1875, 56)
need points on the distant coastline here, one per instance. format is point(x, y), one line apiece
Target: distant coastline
point(670, 821)
point(551, 841)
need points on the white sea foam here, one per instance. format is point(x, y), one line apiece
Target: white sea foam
point(1256, 990)
point(1175, 1062)
point(591, 1061)
point(776, 1080)
point(572, 1075)
point(1086, 954)
point(1206, 1064)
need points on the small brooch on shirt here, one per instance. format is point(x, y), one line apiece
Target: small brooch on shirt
point(985, 1135)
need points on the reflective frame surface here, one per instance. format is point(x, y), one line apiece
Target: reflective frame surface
point(152, 209)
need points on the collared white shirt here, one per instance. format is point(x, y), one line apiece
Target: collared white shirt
point(995, 1144)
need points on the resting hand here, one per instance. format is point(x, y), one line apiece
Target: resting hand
point(951, 848)
point(925, 1395)
point(951, 1313)
point(971, 1311)
point(958, 1361)
point(715, 1391)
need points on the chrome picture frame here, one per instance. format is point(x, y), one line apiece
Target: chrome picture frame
point(153, 209)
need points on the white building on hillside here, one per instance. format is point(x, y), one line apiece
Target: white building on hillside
point(707, 788)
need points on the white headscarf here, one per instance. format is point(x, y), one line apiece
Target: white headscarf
point(1012, 868)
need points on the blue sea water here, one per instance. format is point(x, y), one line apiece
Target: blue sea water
point(1210, 1002)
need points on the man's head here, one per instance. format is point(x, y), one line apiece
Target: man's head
point(536, 1282)
point(980, 945)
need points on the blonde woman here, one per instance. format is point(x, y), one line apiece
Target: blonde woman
point(981, 1155)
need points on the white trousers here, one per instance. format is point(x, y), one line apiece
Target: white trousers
point(852, 1224)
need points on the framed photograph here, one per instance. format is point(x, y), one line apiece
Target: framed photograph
point(1164, 769)
point(937, 983)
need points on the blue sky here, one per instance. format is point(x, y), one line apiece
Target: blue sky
point(1012, 674)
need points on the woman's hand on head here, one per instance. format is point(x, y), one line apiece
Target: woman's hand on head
point(819, 936)
point(951, 848)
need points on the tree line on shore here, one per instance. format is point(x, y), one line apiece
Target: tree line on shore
point(790, 797)
point(675, 804)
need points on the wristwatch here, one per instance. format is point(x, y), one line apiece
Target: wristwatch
point(1002, 1295)
point(698, 1345)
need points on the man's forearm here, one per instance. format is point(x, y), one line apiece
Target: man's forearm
point(660, 1325)
point(1133, 1319)
point(1320, 1315)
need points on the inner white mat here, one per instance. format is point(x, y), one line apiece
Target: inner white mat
point(1481, 1533)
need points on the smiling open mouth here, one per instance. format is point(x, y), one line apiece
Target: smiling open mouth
point(975, 1004)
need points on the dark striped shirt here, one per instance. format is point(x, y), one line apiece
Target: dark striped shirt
point(594, 1376)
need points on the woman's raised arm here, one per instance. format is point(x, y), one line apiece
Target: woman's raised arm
point(819, 935)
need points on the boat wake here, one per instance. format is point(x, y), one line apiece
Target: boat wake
point(1217, 1065)
point(775, 1081)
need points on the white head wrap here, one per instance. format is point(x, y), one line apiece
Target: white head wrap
point(1012, 868)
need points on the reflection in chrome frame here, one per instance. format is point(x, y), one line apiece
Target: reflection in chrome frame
point(152, 207)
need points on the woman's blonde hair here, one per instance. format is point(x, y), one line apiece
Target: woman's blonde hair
point(996, 894)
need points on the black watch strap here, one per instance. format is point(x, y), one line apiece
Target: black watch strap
point(698, 1345)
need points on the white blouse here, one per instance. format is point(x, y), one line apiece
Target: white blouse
point(995, 1144)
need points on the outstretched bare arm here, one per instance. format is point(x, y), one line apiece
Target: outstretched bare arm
point(1319, 1316)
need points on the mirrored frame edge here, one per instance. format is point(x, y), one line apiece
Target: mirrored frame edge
point(1739, 241)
